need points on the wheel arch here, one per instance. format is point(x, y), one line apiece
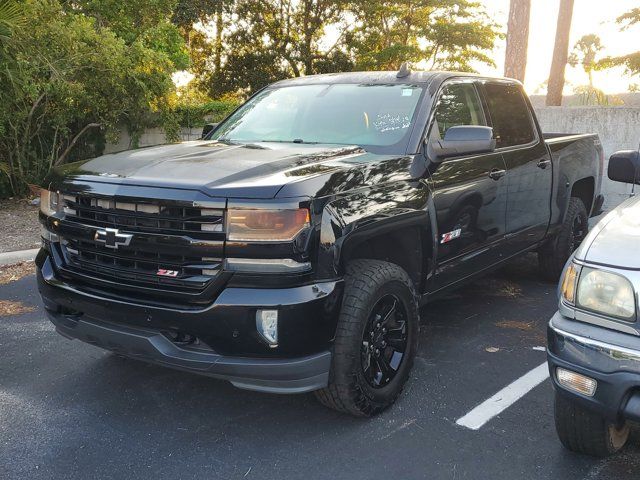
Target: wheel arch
point(584, 189)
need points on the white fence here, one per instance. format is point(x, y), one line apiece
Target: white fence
point(618, 128)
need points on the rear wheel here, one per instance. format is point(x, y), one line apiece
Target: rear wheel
point(583, 431)
point(553, 255)
point(376, 339)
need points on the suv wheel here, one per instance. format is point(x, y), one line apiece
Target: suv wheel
point(376, 339)
point(553, 256)
point(583, 431)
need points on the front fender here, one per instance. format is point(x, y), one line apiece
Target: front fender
point(396, 215)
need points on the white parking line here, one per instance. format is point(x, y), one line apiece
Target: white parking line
point(506, 397)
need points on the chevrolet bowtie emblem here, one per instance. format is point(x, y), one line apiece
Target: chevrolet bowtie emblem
point(112, 238)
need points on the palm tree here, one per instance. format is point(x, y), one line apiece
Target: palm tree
point(11, 16)
point(560, 53)
point(584, 54)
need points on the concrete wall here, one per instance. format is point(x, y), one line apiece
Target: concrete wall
point(618, 128)
point(150, 138)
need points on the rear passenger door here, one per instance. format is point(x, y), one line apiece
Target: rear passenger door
point(528, 162)
point(469, 191)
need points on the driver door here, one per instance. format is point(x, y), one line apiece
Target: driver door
point(469, 192)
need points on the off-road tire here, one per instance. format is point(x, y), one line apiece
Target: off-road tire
point(555, 253)
point(348, 391)
point(583, 431)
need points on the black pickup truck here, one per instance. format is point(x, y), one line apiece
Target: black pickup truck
point(290, 249)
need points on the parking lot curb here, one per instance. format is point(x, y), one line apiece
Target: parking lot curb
point(10, 258)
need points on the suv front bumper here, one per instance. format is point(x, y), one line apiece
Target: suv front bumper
point(609, 357)
point(230, 348)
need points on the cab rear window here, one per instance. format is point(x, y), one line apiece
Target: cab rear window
point(510, 116)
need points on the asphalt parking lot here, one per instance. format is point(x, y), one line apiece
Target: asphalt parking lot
point(70, 410)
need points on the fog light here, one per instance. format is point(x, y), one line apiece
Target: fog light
point(267, 325)
point(575, 382)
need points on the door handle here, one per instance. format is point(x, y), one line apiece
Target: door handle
point(496, 174)
point(544, 163)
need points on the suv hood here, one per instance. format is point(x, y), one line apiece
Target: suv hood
point(225, 170)
point(615, 240)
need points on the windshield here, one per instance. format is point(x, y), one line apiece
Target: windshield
point(344, 114)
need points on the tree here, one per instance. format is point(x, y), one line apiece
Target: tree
point(515, 64)
point(87, 81)
point(631, 61)
point(274, 39)
point(584, 54)
point(443, 34)
point(560, 53)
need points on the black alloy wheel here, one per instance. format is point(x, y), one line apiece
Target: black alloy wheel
point(384, 342)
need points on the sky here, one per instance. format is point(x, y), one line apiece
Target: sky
point(589, 16)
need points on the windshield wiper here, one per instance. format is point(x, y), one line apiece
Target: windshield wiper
point(296, 140)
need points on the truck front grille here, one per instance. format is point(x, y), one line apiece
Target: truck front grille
point(170, 249)
point(147, 217)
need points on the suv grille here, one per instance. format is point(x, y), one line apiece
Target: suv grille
point(167, 248)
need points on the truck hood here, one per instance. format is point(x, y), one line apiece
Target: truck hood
point(227, 170)
point(615, 240)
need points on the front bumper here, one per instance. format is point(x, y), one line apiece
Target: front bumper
point(609, 357)
point(295, 375)
point(228, 346)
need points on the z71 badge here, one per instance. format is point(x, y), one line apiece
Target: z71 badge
point(167, 273)
point(447, 237)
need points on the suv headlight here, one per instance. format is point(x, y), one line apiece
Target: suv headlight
point(49, 202)
point(606, 293)
point(568, 283)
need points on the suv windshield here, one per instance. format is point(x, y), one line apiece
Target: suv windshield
point(344, 114)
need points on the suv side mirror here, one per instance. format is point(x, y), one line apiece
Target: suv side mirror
point(464, 140)
point(624, 166)
point(208, 128)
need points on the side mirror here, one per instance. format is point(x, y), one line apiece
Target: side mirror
point(464, 140)
point(624, 166)
point(208, 128)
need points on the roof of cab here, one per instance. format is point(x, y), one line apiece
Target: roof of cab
point(419, 77)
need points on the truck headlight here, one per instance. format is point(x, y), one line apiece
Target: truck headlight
point(606, 293)
point(49, 202)
point(260, 225)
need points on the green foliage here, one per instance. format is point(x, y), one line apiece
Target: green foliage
point(11, 17)
point(87, 82)
point(584, 54)
point(443, 34)
point(198, 114)
point(631, 61)
point(275, 39)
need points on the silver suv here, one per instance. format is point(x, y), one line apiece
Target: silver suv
point(594, 338)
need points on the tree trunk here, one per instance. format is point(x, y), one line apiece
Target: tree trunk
point(560, 54)
point(218, 46)
point(515, 63)
point(73, 142)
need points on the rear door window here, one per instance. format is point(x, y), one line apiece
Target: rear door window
point(510, 116)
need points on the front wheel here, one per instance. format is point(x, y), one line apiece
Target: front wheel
point(553, 255)
point(376, 339)
point(583, 431)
